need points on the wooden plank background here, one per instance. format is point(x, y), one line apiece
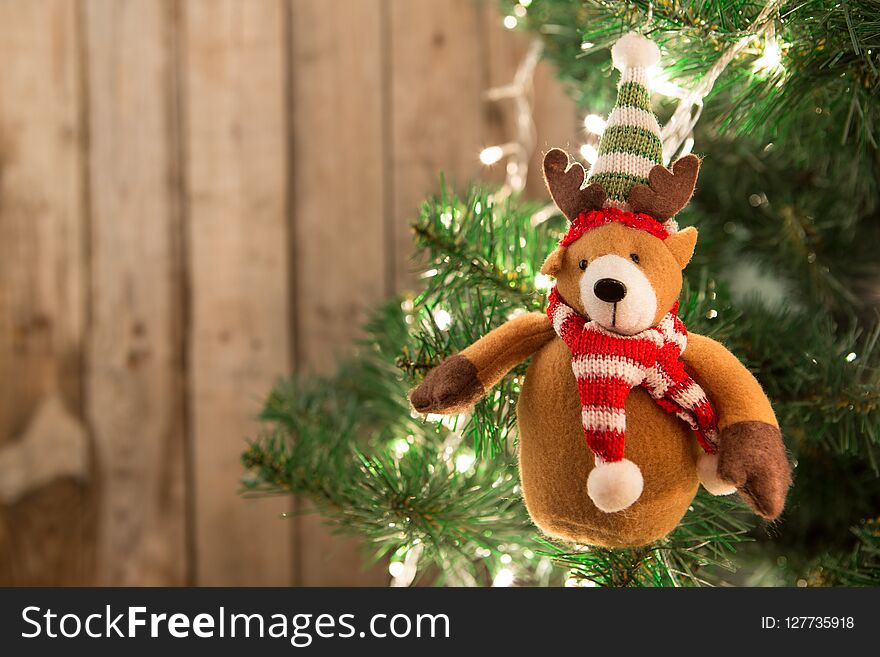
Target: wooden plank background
point(173, 174)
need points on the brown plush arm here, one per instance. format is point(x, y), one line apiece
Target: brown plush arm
point(751, 454)
point(459, 381)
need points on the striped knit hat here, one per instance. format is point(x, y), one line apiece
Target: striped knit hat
point(630, 146)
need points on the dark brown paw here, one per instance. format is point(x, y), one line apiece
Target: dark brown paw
point(752, 457)
point(450, 387)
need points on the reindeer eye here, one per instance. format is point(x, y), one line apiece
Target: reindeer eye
point(583, 265)
point(634, 257)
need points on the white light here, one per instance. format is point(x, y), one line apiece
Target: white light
point(400, 447)
point(519, 10)
point(589, 153)
point(851, 356)
point(771, 58)
point(543, 282)
point(442, 318)
point(571, 582)
point(504, 577)
point(594, 123)
point(510, 22)
point(586, 45)
point(491, 155)
point(661, 84)
point(396, 568)
point(446, 219)
point(506, 559)
point(526, 3)
point(463, 462)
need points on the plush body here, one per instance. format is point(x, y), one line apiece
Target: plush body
point(555, 462)
point(607, 458)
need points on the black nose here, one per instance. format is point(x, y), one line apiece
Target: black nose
point(609, 290)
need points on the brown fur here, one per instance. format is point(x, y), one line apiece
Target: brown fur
point(451, 387)
point(460, 381)
point(660, 260)
point(555, 461)
point(734, 392)
point(667, 191)
point(752, 457)
point(554, 458)
point(508, 345)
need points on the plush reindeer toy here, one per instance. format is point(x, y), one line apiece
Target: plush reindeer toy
point(622, 412)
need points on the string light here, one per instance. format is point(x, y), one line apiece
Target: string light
point(594, 123)
point(491, 154)
point(684, 119)
point(503, 578)
point(771, 56)
point(543, 282)
point(464, 461)
point(442, 318)
point(518, 151)
point(510, 22)
point(396, 568)
point(400, 447)
point(589, 153)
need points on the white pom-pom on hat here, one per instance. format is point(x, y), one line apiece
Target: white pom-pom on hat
point(632, 50)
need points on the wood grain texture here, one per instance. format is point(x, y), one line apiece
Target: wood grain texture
point(239, 337)
point(438, 77)
point(338, 207)
point(45, 536)
point(135, 400)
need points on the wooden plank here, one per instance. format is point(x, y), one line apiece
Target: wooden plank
point(239, 338)
point(438, 113)
point(338, 203)
point(46, 534)
point(135, 400)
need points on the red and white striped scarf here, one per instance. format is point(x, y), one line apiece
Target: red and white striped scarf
point(607, 366)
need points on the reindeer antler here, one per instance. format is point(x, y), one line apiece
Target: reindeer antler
point(564, 183)
point(667, 191)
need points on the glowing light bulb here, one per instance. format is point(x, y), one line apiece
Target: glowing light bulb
point(851, 356)
point(771, 57)
point(594, 123)
point(463, 462)
point(503, 577)
point(400, 447)
point(491, 155)
point(589, 153)
point(510, 22)
point(442, 318)
point(543, 282)
point(396, 568)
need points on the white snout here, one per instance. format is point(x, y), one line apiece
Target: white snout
point(635, 311)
